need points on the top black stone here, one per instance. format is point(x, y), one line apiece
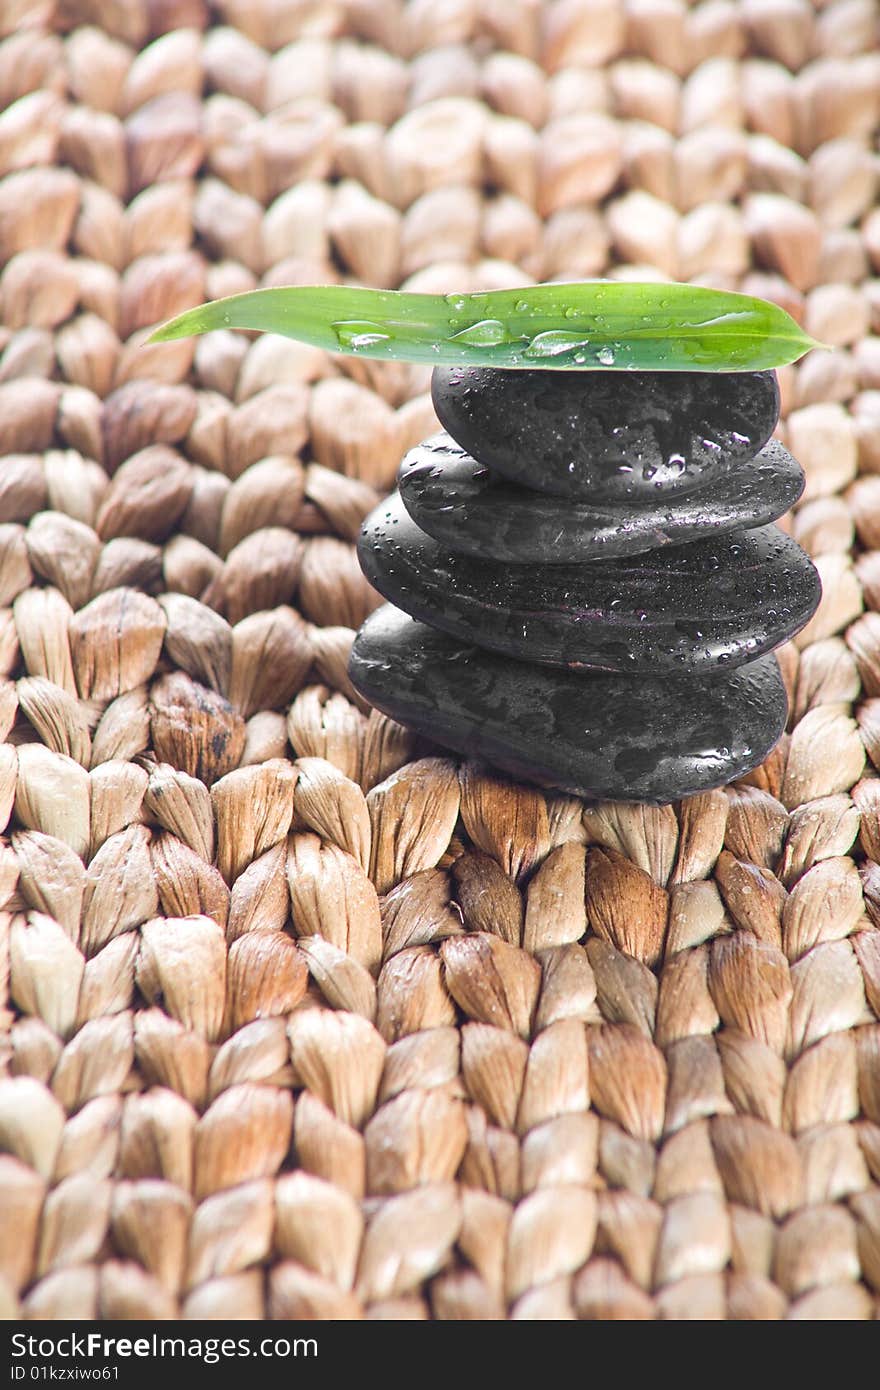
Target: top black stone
point(607, 435)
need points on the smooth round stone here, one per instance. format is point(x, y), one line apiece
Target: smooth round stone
point(607, 436)
point(468, 508)
point(676, 610)
point(652, 739)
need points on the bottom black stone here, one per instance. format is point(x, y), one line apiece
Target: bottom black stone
point(608, 736)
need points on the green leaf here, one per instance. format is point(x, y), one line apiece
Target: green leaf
point(588, 325)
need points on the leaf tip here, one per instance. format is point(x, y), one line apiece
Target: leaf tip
point(185, 325)
point(167, 332)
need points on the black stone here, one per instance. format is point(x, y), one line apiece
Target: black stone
point(469, 509)
point(687, 608)
point(607, 436)
point(654, 739)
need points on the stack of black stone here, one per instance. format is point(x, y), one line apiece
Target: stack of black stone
point(593, 589)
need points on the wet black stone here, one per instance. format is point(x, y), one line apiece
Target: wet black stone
point(684, 608)
point(607, 436)
point(653, 739)
point(469, 509)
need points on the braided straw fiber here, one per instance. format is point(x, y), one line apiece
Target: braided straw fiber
point(303, 1019)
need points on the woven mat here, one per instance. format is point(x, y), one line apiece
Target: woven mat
point(305, 1019)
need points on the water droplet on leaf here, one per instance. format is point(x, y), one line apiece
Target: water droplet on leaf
point(486, 333)
point(554, 343)
point(355, 335)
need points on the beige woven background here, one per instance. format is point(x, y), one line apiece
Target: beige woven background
point(302, 1019)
